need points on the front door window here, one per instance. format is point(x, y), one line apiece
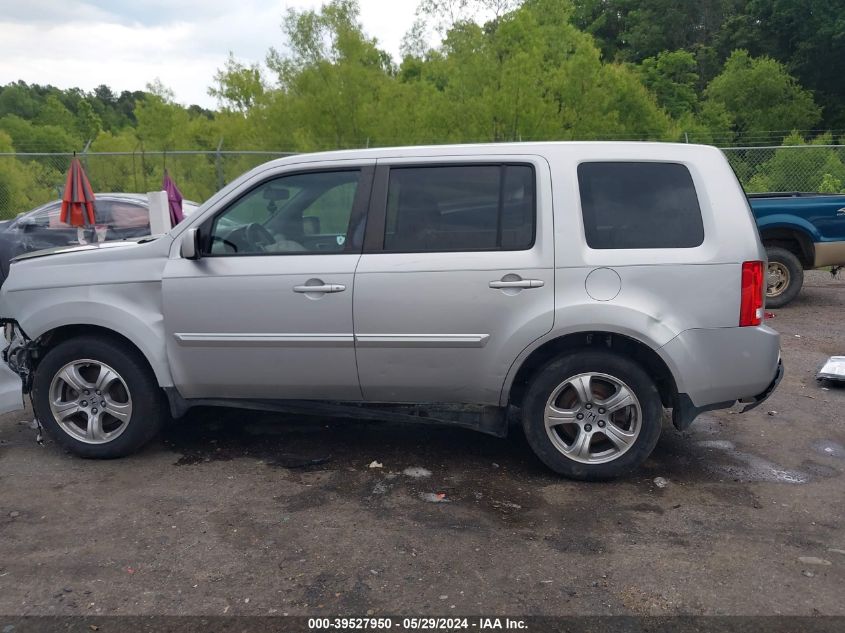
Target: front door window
point(292, 214)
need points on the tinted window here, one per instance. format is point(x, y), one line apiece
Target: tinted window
point(122, 215)
point(639, 205)
point(299, 213)
point(460, 208)
point(45, 217)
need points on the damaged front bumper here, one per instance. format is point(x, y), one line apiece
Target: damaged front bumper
point(15, 370)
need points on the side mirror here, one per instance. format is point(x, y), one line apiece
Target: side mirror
point(190, 247)
point(26, 224)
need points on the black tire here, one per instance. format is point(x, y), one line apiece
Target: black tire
point(147, 400)
point(792, 266)
point(559, 371)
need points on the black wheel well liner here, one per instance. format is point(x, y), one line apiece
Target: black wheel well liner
point(619, 343)
point(51, 338)
point(795, 240)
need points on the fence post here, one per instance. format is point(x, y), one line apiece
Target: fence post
point(218, 163)
point(84, 153)
point(144, 166)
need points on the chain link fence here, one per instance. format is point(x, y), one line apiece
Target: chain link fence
point(807, 168)
point(30, 179)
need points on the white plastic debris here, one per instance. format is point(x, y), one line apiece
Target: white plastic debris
point(375, 464)
point(833, 369)
point(661, 482)
point(416, 472)
point(434, 497)
point(813, 560)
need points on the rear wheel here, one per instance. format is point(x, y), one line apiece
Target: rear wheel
point(592, 415)
point(784, 277)
point(97, 398)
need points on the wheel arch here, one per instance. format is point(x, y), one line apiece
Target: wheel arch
point(628, 346)
point(133, 333)
point(794, 239)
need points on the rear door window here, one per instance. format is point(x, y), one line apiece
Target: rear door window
point(460, 208)
point(639, 205)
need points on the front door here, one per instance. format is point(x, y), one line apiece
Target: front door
point(266, 312)
point(457, 277)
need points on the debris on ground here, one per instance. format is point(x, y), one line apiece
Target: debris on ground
point(833, 369)
point(773, 412)
point(375, 464)
point(434, 497)
point(35, 425)
point(298, 461)
point(506, 504)
point(417, 472)
point(808, 573)
point(813, 560)
point(661, 482)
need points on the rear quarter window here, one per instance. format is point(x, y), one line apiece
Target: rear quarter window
point(639, 205)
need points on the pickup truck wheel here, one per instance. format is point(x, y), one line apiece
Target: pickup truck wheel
point(592, 415)
point(784, 277)
point(96, 398)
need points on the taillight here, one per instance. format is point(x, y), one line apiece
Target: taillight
point(751, 305)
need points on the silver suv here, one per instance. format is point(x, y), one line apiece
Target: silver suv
point(585, 286)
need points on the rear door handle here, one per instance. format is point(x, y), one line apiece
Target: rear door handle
point(325, 288)
point(521, 283)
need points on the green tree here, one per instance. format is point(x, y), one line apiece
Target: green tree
point(332, 76)
point(762, 98)
point(161, 121)
point(17, 99)
point(531, 75)
point(237, 86)
point(88, 123)
point(672, 77)
point(808, 37)
point(28, 137)
point(54, 112)
point(23, 184)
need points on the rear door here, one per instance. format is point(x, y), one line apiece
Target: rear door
point(456, 279)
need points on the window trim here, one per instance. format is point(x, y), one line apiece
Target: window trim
point(377, 219)
point(617, 161)
point(357, 215)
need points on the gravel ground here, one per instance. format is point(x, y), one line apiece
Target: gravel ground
point(235, 512)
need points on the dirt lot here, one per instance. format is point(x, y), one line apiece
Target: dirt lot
point(244, 513)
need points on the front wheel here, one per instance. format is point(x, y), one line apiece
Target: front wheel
point(97, 398)
point(592, 415)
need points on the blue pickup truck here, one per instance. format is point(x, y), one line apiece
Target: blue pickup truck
point(800, 231)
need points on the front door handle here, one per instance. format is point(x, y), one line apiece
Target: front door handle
point(520, 283)
point(325, 288)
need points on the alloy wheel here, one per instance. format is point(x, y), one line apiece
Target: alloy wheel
point(90, 401)
point(593, 418)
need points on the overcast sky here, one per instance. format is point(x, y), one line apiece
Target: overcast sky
point(126, 44)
